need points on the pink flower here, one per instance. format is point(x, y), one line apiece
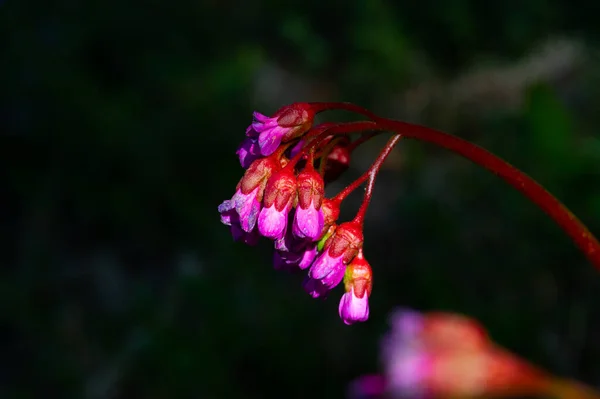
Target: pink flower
point(309, 218)
point(278, 200)
point(288, 123)
point(353, 308)
point(358, 282)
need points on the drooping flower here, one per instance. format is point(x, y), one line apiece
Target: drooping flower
point(309, 219)
point(358, 282)
point(279, 196)
point(340, 249)
point(230, 217)
point(244, 207)
point(288, 123)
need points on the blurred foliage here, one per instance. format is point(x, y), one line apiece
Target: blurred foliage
point(120, 124)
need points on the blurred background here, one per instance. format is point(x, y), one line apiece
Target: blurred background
point(120, 124)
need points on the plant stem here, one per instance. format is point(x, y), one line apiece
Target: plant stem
point(372, 175)
point(320, 107)
point(578, 232)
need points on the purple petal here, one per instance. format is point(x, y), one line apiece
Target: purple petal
point(247, 207)
point(308, 256)
point(250, 132)
point(227, 211)
point(248, 152)
point(269, 140)
point(260, 117)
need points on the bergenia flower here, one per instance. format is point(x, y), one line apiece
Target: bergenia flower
point(230, 217)
point(288, 123)
point(246, 206)
point(278, 200)
point(358, 282)
point(309, 219)
point(339, 250)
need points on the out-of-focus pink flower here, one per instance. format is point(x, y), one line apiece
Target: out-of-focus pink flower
point(445, 355)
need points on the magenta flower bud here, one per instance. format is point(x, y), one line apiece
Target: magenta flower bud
point(309, 218)
point(340, 249)
point(288, 123)
point(247, 206)
point(308, 223)
point(272, 223)
point(278, 199)
point(248, 152)
point(329, 270)
point(257, 175)
point(353, 309)
point(358, 282)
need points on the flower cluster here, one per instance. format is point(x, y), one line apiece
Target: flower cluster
point(281, 197)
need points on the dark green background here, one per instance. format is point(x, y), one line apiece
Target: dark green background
point(120, 124)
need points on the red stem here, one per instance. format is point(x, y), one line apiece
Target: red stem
point(532, 189)
point(529, 187)
point(320, 107)
point(372, 175)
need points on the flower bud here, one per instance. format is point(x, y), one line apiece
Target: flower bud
point(309, 219)
point(258, 174)
point(345, 242)
point(340, 249)
point(288, 123)
point(279, 196)
point(358, 282)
